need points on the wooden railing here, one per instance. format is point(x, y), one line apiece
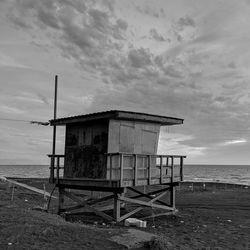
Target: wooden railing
point(55, 164)
point(164, 164)
point(119, 164)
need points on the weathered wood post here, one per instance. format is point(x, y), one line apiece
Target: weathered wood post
point(161, 169)
point(117, 207)
point(52, 166)
point(60, 199)
point(172, 187)
point(135, 170)
point(181, 168)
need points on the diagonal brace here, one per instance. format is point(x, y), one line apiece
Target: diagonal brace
point(148, 196)
point(85, 204)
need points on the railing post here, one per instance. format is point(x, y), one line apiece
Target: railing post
point(52, 169)
point(149, 170)
point(161, 170)
point(121, 168)
point(58, 168)
point(135, 169)
point(181, 168)
point(54, 135)
point(172, 169)
point(110, 168)
point(167, 167)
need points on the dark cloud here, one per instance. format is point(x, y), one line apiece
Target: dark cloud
point(172, 99)
point(110, 4)
point(93, 37)
point(19, 23)
point(186, 22)
point(162, 12)
point(146, 10)
point(78, 5)
point(99, 20)
point(121, 24)
point(231, 65)
point(172, 72)
point(155, 35)
point(47, 18)
point(82, 31)
point(139, 58)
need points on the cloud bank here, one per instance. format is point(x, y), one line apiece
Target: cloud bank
point(169, 58)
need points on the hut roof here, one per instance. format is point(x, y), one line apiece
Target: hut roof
point(117, 115)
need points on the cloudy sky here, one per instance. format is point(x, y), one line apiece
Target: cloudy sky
point(187, 59)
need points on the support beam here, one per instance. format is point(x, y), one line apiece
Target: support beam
point(135, 169)
point(144, 203)
point(181, 168)
point(60, 200)
point(172, 196)
point(101, 199)
point(161, 169)
point(147, 196)
point(118, 197)
point(125, 216)
point(34, 189)
point(94, 210)
point(150, 193)
point(149, 170)
point(160, 214)
point(121, 169)
point(117, 208)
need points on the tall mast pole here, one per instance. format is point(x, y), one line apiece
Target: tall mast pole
point(52, 167)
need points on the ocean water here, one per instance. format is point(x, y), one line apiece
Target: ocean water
point(25, 171)
point(238, 174)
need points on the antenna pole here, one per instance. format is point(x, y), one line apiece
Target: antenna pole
point(55, 98)
point(52, 167)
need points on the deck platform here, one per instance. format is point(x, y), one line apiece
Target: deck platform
point(101, 184)
point(117, 189)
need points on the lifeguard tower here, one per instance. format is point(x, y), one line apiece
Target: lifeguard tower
point(115, 151)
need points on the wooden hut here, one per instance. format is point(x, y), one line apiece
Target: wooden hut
point(113, 151)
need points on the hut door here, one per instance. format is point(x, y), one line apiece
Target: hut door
point(149, 141)
point(127, 137)
point(149, 146)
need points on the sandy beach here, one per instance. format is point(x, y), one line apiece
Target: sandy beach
point(214, 216)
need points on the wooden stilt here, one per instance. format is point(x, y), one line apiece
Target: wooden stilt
point(153, 201)
point(60, 200)
point(172, 196)
point(117, 208)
